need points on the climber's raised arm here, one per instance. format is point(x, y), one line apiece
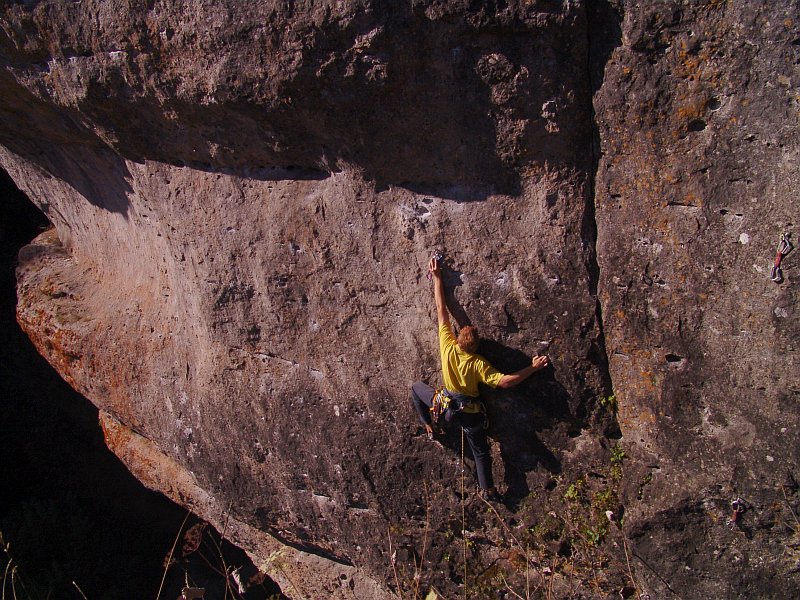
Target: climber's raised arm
point(442, 315)
point(537, 364)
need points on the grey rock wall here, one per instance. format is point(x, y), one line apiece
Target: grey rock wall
point(245, 197)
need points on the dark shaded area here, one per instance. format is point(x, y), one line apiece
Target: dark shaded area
point(200, 558)
point(538, 414)
point(75, 154)
point(666, 551)
point(605, 34)
point(68, 508)
point(518, 416)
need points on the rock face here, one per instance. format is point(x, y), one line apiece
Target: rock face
point(698, 118)
point(245, 197)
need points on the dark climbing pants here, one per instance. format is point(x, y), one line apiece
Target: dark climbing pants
point(471, 423)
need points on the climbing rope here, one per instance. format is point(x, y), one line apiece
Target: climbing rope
point(784, 247)
point(463, 514)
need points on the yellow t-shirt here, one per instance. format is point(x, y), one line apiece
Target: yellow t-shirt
point(462, 371)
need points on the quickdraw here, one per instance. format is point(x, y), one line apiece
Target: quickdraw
point(784, 247)
point(441, 402)
point(738, 507)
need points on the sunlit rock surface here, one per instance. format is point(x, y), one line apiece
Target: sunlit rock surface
point(244, 199)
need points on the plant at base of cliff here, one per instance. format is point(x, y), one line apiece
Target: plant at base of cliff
point(48, 540)
point(595, 536)
point(573, 492)
point(609, 402)
point(204, 550)
point(488, 581)
point(15, 584)
point(604, 500)
point(548, 529)
point(9, 569)
point(617, 456)
point(419, 566)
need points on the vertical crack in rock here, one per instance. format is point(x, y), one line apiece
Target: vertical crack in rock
point(603, 34)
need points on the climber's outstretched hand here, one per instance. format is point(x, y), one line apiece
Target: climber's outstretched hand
point(434, 268)
point(539, 362)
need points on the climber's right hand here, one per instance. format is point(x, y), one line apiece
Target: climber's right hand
point(539, 362)
point(433, 267)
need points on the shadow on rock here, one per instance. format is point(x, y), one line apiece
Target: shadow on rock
point(521, 416)
point(63, 148)
point(454, 105)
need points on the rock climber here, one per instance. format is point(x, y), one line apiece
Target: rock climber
point(462, 370)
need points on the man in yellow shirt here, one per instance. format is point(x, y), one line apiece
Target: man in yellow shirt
point(462, 370)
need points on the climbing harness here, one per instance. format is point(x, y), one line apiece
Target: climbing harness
point(440, 404)
point(447, 404)
point(438, 255)
point(784, 247)
point(738, 506)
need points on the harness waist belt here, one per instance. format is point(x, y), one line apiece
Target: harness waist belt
point(465, 403)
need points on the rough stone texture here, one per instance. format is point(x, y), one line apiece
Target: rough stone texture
point(698, 116)
point(245, 196)
point(299, 573)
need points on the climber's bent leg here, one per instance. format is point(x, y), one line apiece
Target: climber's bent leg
point(422, 398)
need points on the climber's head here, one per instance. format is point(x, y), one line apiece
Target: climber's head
point(468, 339)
